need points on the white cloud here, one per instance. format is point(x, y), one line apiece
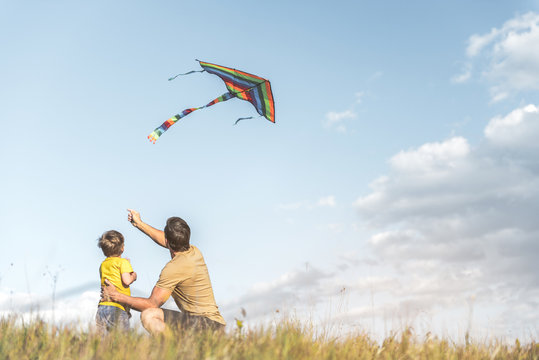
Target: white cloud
point(75, 306)
point(476, 43)
point(462, 77)
point(497, 95)
point(512, 53)
point(336, 117)
point(451, 222)
point(430, 300)
point(432, 156)
point(455, 220)
point(519, 129)
point(465, 74)
point(336, 120)
point(327, 201)
point(297, 288)
point(79, 309)
point(359, 96)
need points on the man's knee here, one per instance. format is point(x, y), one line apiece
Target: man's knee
point(150, 316)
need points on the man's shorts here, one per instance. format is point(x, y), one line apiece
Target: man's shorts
point(181, 320)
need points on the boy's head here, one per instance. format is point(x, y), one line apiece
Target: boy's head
point(177, 233)
point(112, 243)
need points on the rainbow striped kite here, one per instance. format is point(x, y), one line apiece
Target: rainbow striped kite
point(240, 84)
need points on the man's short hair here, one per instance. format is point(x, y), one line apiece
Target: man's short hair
point(177, 233)
point(111, 242)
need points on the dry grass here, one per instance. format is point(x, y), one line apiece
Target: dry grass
point(288, 340)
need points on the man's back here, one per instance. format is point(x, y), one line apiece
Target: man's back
point(186, 275)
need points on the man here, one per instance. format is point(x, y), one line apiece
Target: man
point(185, 277)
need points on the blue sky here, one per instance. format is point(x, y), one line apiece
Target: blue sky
point(382, 108)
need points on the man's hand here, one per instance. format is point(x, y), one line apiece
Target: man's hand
point(109, 292)
point(158, 236)
point(134, 218)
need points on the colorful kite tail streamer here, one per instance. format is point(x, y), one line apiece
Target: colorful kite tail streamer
point(164, 127)
point(167, 124)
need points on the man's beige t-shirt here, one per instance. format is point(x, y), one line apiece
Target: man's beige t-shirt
point(186, 275)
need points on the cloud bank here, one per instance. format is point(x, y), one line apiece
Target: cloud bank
point(459, 222)
point(454, 242)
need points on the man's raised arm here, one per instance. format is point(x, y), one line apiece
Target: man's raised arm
point(156, 235)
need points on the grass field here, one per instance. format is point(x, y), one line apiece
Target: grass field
point(289, 340)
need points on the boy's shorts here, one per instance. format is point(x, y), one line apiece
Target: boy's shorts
point(109, 317)
point(178, 320)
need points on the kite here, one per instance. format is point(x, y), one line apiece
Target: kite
point(240, 85)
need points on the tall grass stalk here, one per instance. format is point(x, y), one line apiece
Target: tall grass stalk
point(287, 340)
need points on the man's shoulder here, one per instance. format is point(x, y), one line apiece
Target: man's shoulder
point(183, 260)
point(174, 271)
point(172, 265)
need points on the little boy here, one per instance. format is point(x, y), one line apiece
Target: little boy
point(119, 272)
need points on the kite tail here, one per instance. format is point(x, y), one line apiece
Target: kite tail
point(242, 118)
point(187, 73)
point(164, 126)
point(167, 124)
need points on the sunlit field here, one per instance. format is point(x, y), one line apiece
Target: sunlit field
point(287, 340)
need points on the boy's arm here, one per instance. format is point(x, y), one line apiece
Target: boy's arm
point(158, 236)
point(128, 278)
point(157, 298)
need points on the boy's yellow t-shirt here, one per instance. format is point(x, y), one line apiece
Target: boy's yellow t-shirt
point(112, 269)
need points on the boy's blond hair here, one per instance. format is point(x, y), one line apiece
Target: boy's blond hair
point(111, 242)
